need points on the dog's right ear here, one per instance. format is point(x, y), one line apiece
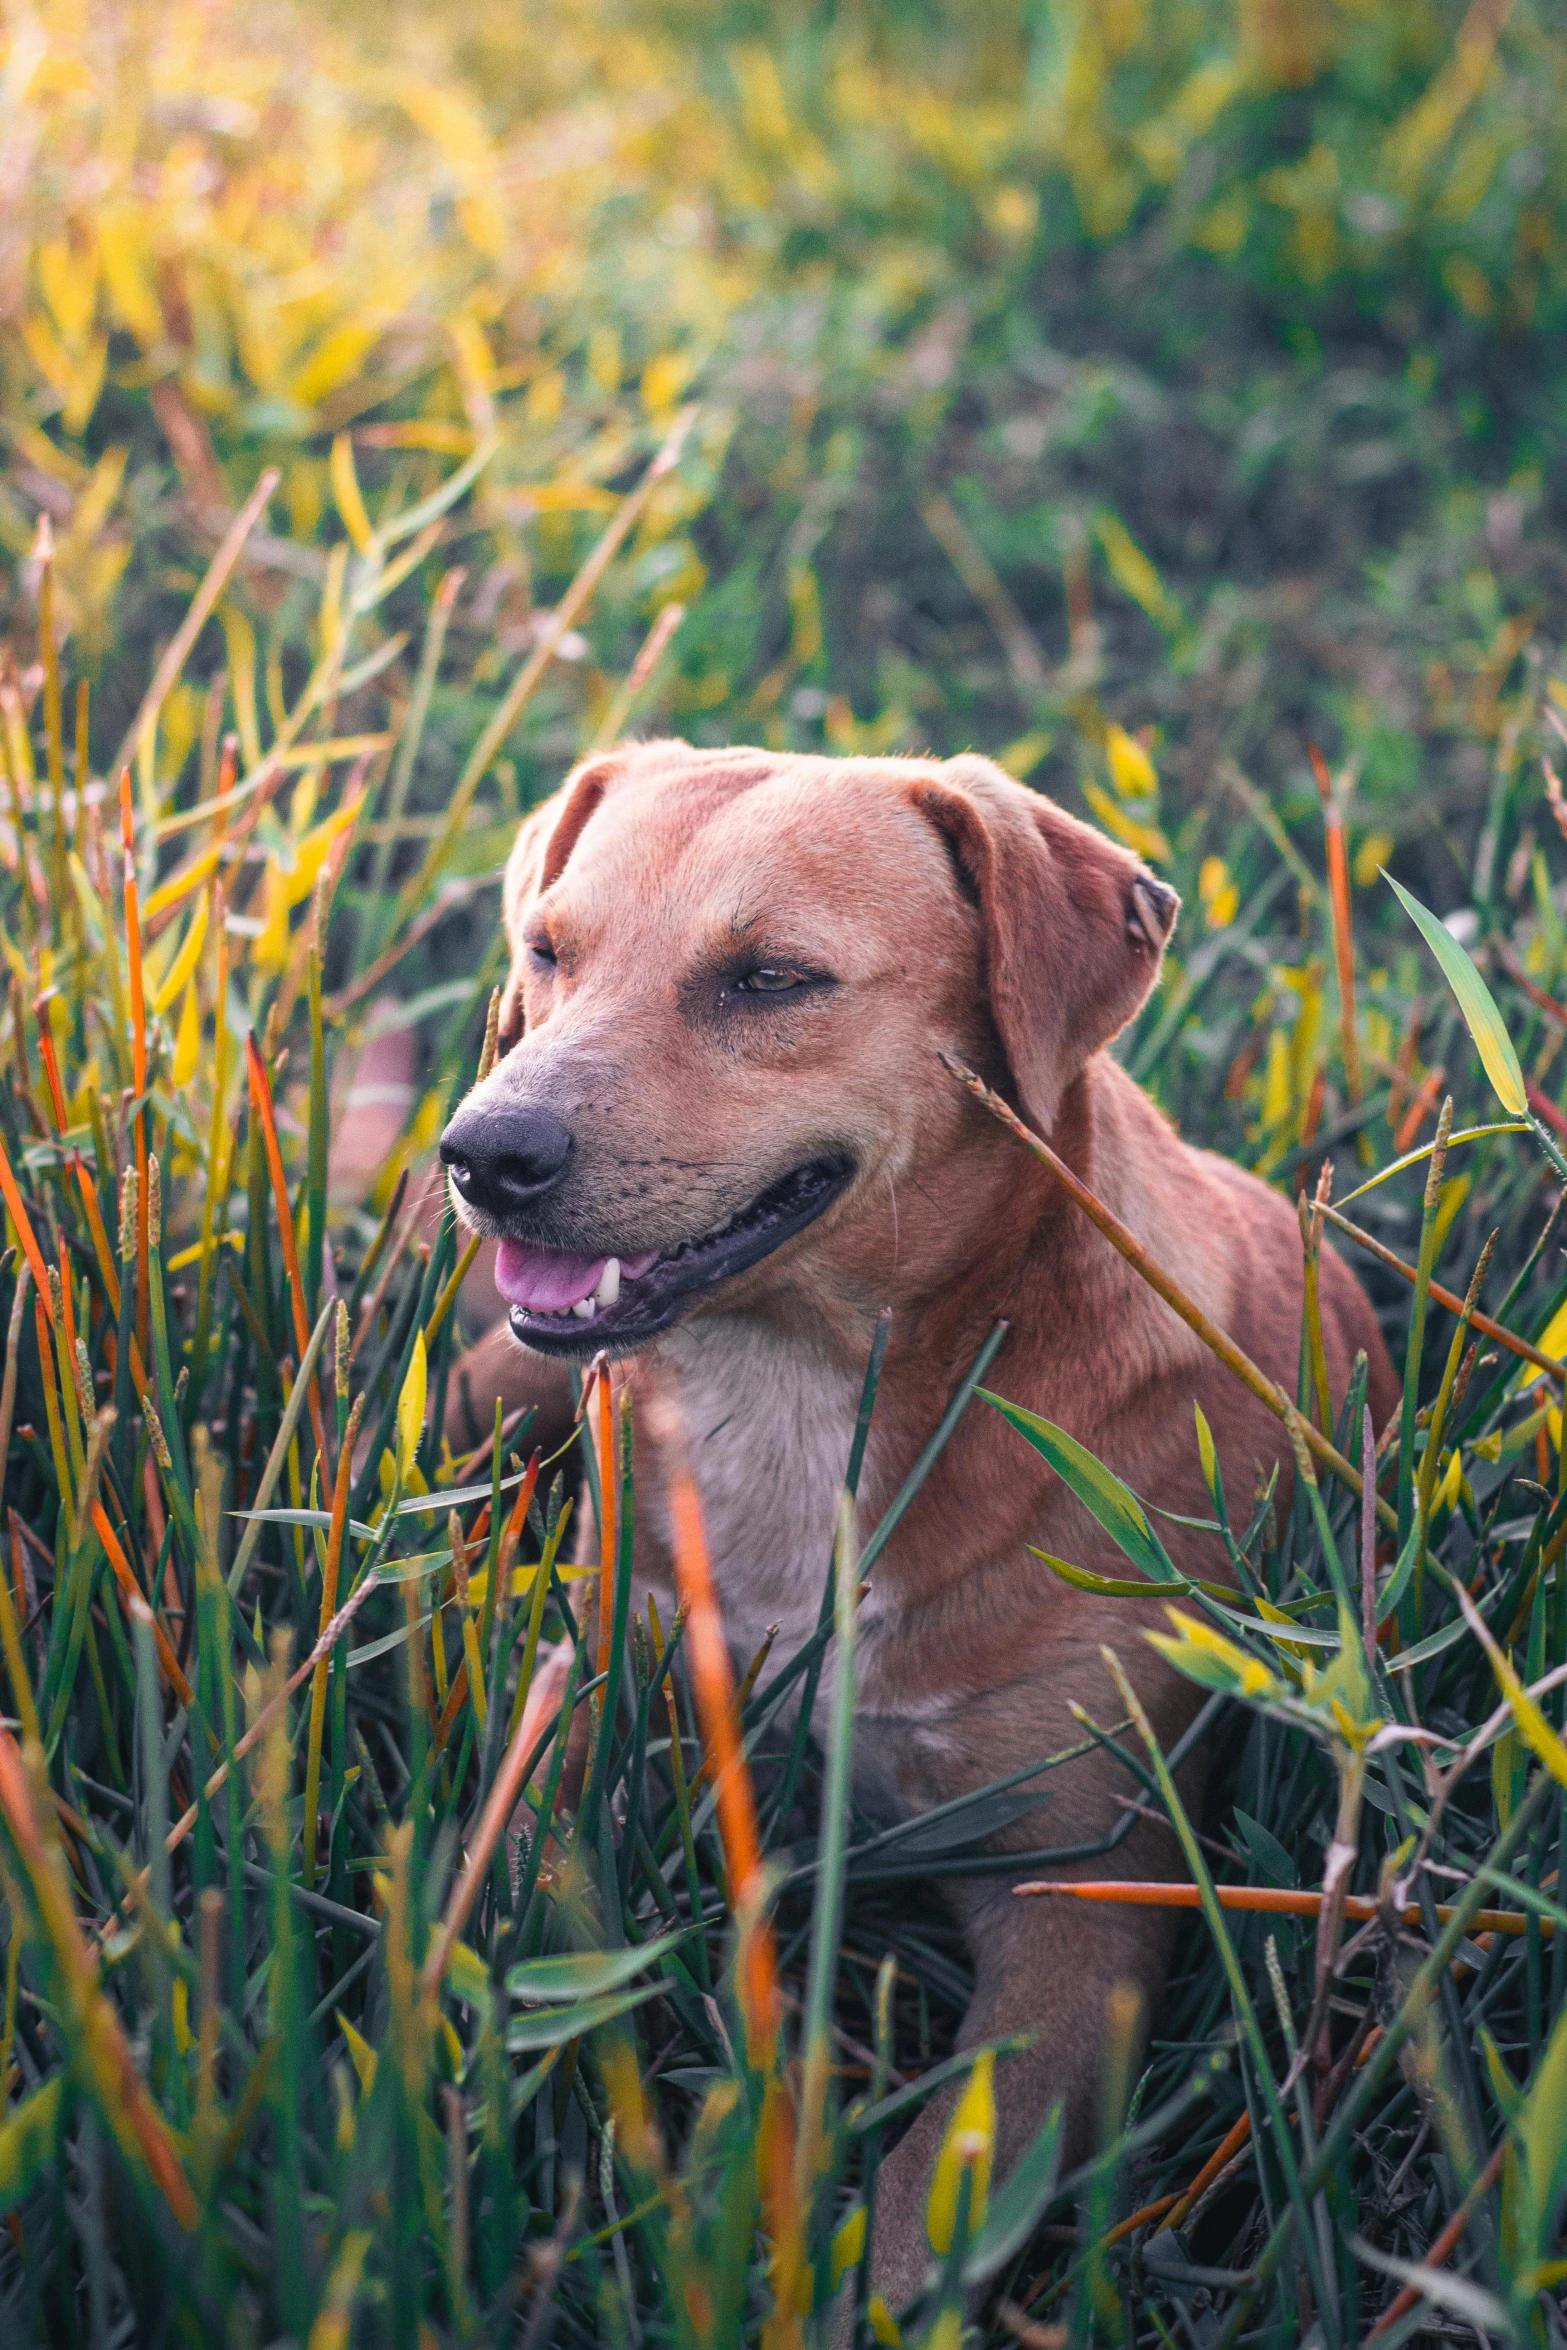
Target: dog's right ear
point(538, 857)
point(1074, 925)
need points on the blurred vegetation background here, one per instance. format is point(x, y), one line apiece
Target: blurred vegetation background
point(1191, 371)
point(1194, 367)
point(1141, 391)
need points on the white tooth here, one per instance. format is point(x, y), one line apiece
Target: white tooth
point(609, 1283)
point(584, 1309)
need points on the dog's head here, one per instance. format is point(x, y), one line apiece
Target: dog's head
point(732, 972)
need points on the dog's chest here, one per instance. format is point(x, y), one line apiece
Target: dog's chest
point(770, 1420)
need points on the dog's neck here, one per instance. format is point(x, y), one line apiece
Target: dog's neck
point(770, 1393)
point(769, 1413)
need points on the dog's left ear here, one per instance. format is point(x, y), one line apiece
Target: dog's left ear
point(1074, 925)
point(538, 856)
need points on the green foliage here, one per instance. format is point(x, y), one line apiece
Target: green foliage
point(1130, 392)
point(1481, 1017)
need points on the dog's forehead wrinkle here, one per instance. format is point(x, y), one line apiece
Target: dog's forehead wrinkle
point(795, 831)
point(656, 906)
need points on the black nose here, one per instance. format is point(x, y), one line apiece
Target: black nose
point(503, 1159)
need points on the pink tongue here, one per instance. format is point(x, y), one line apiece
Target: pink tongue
point(545, 1280)
point(549, 1280)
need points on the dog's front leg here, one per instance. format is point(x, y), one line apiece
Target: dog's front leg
point(1042, 1968)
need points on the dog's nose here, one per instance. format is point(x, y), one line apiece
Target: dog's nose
point(503, 1160)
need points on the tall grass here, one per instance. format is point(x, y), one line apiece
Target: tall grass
point(1214, 345)
point(310, 2028)
point(308, 2031)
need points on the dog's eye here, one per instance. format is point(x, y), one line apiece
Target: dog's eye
point(768, 980)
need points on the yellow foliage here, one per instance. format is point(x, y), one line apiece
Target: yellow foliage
point(1370, 857)
point(288, 884)
point(1131, 770)
point(1198, 1643)
point(967, 2148)
point(1452, 1199)
point(1136, 576)
point(848, 2246)
point(1445, 1497)
point(1221, 900)
point(184, 963)
point(1023, 756)
point(257, 213)
point(187, 1041)
point(410, 1408)
point(1146, 839)
point(1468, 284)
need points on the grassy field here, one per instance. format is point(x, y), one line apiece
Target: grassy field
point(1161, 400)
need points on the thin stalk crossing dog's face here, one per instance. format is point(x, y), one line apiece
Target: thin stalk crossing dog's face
point(732, 973)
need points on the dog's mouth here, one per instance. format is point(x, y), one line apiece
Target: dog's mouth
point(569, 1305)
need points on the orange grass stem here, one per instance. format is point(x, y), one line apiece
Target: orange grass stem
point(510, 1542)
point(55, 1405)
point(100, 1238)
point(261, 1103)
point(131, 1589)
point(329, 1576)
point(101, 2055)
point(1176, 2210)
point(1343, 933)
point(1543, 1107)
point(499, 1806)
point(756, 1959)
point(1120, 1237)
point(47, 1055)
point(24, 1230)
point(1180, 2207)
point(1277, 1900)
point(1223, 2154)
point(1448, 1298)
point(712, 1680)
point(1540, 997)
point(608, 1497)
point(1420, 1109)
point(138, 1057)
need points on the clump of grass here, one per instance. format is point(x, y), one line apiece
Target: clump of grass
point(340, 2003)
point(1186, 377)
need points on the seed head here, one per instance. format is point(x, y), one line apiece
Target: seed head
point(129, 1193)
point(156, 1438)
point(492, 1024)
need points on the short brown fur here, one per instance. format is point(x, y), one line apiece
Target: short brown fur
point(955, 911)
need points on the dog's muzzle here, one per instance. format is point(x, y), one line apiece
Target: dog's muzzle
point(503, 1161)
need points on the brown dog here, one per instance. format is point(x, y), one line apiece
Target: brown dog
point(724, 1137)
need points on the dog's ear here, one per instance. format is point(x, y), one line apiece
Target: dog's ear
point(538, 857)
point(1074, 925)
